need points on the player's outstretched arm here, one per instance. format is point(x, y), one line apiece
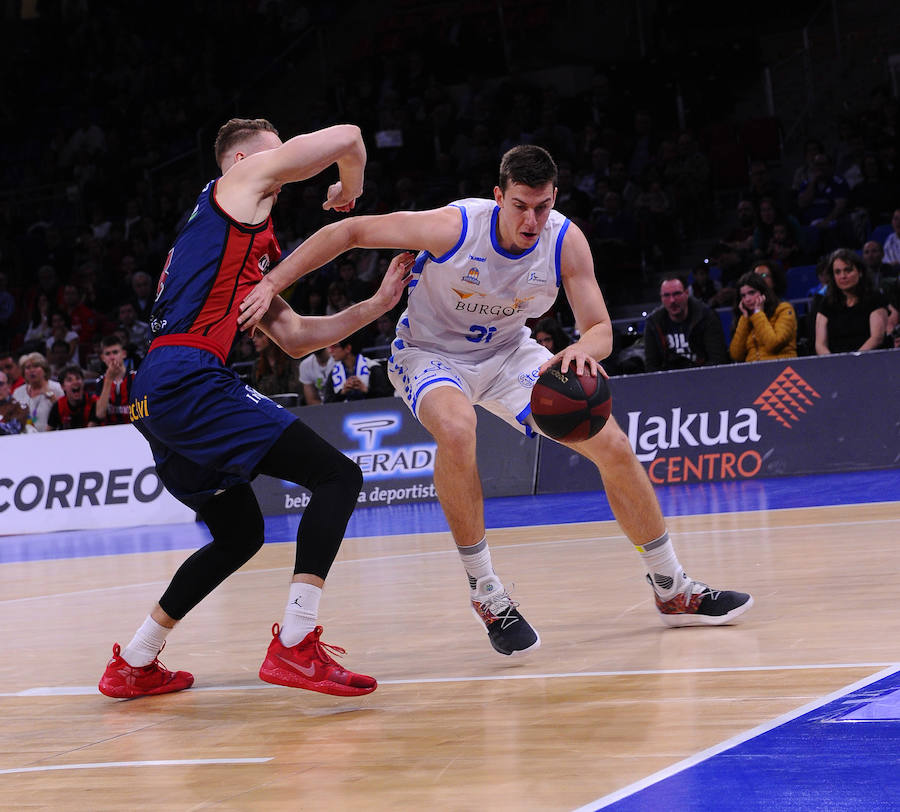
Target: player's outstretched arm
point(586, 300)
point(435, 231)
point(305, 156)
point(299, 335)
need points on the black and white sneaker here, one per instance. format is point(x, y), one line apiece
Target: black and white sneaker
point(507, 630)
point(700, 605)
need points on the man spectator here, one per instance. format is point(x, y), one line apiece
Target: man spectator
point(10, 366)
point(137, 332)
point(13, 416)
point(682, 332)
point(315, 370)
point(84, 321)
point(892, 243)
point(876, 267)
point(115, 394)
point(7, 309)
point(143, 295)
point(76, 409)
point(822, 202)
point(353, 376)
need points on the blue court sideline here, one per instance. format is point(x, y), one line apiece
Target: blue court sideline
point(840, 755)
point(513, 511)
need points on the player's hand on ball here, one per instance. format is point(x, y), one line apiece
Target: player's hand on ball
point(574, 356)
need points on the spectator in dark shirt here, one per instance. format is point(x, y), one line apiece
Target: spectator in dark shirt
point(13, 416)
point(275, 372)
point(823, 204)
point(852, 316)
point(682, 332)
point(10, 366)
point(115, 392)
point(353, 376)
point(76, 409)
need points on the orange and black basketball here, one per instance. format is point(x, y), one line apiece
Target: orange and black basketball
point(570, 407)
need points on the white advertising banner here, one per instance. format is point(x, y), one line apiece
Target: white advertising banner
point(82, 479)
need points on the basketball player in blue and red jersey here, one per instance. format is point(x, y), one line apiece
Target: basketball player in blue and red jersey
point(210, 434)
point(485, 267)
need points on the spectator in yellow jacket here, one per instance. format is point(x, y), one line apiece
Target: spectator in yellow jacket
point(766, 327)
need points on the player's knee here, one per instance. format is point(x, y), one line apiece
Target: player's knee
point(610, 445)
point(351, 477)
point(250, 535)
point(456, 431)
point(618, 445)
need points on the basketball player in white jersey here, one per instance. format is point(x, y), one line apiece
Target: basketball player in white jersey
point(484, 267)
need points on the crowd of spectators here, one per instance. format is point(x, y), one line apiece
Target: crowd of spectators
point(117, 172)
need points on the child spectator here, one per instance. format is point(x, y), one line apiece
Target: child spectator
point(76, 409)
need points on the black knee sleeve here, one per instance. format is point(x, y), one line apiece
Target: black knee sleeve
point(237, 528)
point(334, 481)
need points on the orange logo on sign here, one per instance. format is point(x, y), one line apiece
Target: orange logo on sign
point(786, 398)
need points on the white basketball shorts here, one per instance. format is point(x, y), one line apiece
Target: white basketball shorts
point(501, 384)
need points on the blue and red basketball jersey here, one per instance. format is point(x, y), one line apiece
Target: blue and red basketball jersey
point(212, 266)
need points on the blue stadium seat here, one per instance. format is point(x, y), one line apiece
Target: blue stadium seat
point(799, 280)
point(726, 316)
point(881, 233)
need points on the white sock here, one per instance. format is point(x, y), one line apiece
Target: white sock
point(146, 643)
point(477, 560)
point(663, 566)
point(301, 613)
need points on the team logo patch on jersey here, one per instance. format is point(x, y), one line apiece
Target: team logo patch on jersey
point(536, 278)
point(471, 276)
point(264, 264)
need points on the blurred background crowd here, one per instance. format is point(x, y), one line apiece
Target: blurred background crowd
point(693, 148)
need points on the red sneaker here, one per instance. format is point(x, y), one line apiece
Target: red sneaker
point(308, 665)
point(123, 681)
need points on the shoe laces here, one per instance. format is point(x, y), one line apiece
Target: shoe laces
point(692, 588)
point(325, 650)
point(499, 603)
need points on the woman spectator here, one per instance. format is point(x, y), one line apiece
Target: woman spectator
point(852, 316)
point(38, 329)
point(549, 333)
point(769, 216)
point(61, 332)
point(275, 372)
point(39, 393)
point(766, 327)
point(773, 274)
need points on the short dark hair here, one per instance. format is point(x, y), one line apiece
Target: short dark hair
point(237, 129)
point(529, 165)
point(71, 369)
point(674, 277)
point(111, 341)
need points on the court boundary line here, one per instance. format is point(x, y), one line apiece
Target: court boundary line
point(91, 690)
point(733, 741)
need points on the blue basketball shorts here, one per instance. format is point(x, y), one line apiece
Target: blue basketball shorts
point(208, 430)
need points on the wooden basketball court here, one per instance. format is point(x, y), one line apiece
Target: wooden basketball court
point(612, 695)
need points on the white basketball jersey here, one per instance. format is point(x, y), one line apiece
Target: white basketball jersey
point(474, 300)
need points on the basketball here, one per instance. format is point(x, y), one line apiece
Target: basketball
point(570, 407)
